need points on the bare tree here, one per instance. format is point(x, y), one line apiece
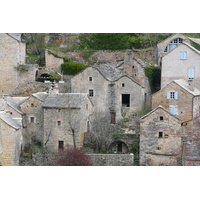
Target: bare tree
point(101, 135)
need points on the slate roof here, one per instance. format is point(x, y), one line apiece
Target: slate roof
point(41, 96)
point(15, 102)
point(16, 36)
point(7, 118)
point(65, 100)
point(184, 84)
point(111, 72)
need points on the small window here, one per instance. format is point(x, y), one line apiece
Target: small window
point(160, 134)
point(158, 148)
point(166, 136)
point(123, 85)
point(90, 78)
point(161, 118)
point(59, 123)
point(172, 95)
point(58, 110)
point(183, 55)
point(113, 117)
point(32, 105)
point(60, 145)
point(91, 93)
point(32, 119)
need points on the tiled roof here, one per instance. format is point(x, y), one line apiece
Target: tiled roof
point(156, 109)
point(7, 118)
point(185, 85)
point(15, 102)
point(111, 72)
point(65, 100)
point(41, 96)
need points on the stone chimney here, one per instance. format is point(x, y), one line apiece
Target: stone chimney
point(53, 91)
point(191, 84)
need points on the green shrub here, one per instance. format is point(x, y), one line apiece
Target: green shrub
point(72, 68)
point(154, 76)
point(54, 76)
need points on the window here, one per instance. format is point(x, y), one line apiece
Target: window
point(60, 145)
point(126, 100)
point(32, 119)
point(113, 117)
point(91, 93)
point(161, 118)
point(59, 123)
point(32, 105)
point(173, 110)
point(183, 55)
point(172, 95)
point(190, 73)
point(160, 134)
point(123, 85)
point(172, 44)
point(90, 78)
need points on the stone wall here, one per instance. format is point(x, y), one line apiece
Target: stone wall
point(12, 54)
point(112, 159)
point(183, 103)
point(160, 139)
point(101, 56)
point(10, 145)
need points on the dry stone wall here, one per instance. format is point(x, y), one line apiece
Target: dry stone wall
point(112, 159)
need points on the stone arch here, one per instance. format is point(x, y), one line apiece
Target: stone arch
point(118, 147)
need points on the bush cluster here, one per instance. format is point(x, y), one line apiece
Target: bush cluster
point(72, 68)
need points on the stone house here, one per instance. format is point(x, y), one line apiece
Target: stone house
point(10, 139)
point(112, 91)
point(13, 71)
point(180, 97)
point(169, 44)
point(160, 138)
point(66, 119)
point(183, 62)
point(33, 117)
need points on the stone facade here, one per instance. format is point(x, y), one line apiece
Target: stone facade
point(10, 139)
point(113, 91)
point(167, 43)
point(160, 138)
point(33, 118)
point(13, 71)
point(66, 119)
point(175, 67)
point(184, 100)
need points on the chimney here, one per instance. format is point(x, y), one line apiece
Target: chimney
point(53, 91)
point(191, 84)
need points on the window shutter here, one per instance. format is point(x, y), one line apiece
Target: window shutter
point(168, 95)
point(176, 95)
point(191, 73)
point(175, 110)
point(172, 110)
point(184, 55)
point(181, 55)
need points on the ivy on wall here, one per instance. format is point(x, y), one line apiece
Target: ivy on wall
point(154, 76)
